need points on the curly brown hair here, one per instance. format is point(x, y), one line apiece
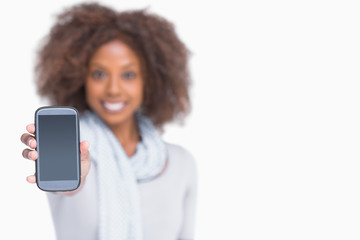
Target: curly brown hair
point(64, 57)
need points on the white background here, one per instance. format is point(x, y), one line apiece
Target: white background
point(275, 126)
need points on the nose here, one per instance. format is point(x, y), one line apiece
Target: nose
point(114, 86)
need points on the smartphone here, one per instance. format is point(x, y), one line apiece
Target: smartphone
point(58, 147)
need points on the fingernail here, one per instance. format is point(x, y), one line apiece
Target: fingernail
point(29, 155)
point(29, 142)
point(30, 179)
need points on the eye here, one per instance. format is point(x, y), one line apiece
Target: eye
point(98, 74)
point(128, 75)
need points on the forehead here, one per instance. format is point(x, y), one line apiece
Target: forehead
point(114, 52)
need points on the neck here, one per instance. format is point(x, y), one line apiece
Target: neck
point(127, 132)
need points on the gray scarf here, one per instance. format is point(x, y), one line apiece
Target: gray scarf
point(118, 174)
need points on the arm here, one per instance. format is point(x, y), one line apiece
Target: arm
point(189, 204)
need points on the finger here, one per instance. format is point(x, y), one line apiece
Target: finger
point(84, 149)
point(31, 128)
point(85, 157)
point(30, 154)
point(28, 140)
point(84, 146)
point(31, 179)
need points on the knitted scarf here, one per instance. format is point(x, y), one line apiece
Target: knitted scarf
point(118, 174)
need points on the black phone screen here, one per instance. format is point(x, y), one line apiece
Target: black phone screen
point(57, 147)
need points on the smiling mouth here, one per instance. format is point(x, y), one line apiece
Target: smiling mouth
point(113, 107)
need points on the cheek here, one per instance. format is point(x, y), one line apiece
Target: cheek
point(91, 91)
point(139, 91)
point(134, 89)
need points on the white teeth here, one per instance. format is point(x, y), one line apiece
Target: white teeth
point(114, 106)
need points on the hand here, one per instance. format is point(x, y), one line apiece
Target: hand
point(29, 153)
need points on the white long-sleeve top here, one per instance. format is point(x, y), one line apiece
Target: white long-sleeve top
point(168, 203)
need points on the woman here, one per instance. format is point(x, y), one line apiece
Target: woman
point(127, 75)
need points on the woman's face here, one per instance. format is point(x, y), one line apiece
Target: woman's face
point(114, 85)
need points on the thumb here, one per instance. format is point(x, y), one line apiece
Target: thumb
point(84, 146)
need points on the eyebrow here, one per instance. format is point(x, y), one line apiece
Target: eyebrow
point(127, 65)
point(97, 65)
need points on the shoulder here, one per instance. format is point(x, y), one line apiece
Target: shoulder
point(179, 152)
point(181, 157)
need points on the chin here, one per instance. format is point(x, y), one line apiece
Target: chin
point(113, 119)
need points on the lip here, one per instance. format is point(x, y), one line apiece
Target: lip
point(113, 106)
